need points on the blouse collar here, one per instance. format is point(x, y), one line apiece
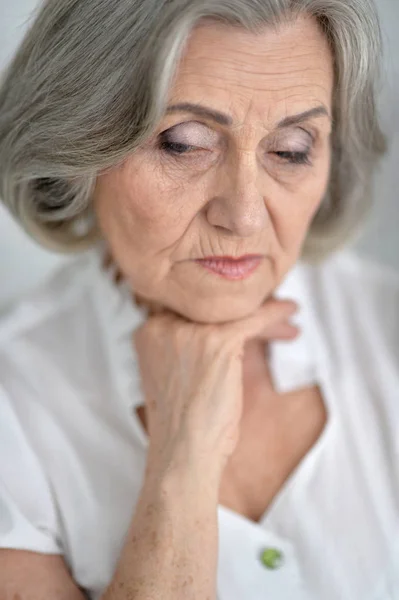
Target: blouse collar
point(293, 363)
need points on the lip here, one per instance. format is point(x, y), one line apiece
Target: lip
point(232, 258)
point(230, 268)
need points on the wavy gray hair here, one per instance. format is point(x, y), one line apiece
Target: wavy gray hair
point(88, 84)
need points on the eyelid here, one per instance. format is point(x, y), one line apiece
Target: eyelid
point(277, 138)
point(311, 133)
point(288, 134)
point(290, 143)
point(186, 124)
point(204, 137)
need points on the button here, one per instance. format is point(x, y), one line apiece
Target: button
point(272, 558)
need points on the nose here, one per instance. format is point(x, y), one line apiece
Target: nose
point(239, 206)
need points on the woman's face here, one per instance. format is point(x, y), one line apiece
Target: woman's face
point(205, 187)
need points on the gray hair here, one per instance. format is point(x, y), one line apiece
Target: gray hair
point(89, 82)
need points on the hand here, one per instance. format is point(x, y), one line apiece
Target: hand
point(192, 380)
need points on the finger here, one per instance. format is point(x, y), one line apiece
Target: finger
point(259, 325)
point(283, 331)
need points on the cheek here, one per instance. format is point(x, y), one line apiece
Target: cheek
point(135, 211)
point(294, 211)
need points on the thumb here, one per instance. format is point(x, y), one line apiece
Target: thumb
point(265, 322)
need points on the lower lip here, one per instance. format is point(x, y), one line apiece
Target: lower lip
point(233, 270)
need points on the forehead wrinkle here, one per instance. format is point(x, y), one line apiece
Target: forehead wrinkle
point(233, 67)
point(271, 87)
point(226, 53)
point(291, 78)
point(236, 77)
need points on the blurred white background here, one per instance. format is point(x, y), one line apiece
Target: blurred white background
point(23, 264)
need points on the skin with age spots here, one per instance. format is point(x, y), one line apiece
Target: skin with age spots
point(200, 188)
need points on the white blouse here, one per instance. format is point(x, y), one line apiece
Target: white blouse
point(73, 451)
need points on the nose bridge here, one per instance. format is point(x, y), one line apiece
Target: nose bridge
point(239, 203)
point(244, 194)
point(246, 171)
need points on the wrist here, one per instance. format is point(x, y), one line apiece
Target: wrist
point(181, 472)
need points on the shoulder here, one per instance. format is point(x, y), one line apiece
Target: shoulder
point(361, 270)
point(60, 294)
point(355, 295)
point(55, 333)
point(354, 279)
point(348, 268)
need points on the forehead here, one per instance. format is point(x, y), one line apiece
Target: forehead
point(274, 71)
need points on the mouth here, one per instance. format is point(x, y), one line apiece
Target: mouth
point(231, 268)
point(232, 258)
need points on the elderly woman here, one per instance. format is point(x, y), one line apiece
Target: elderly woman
point(168, 429)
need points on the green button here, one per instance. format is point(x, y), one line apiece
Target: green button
point(272, 558)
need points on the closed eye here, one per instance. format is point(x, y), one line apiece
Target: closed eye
point(178, 149)
point(297, 158)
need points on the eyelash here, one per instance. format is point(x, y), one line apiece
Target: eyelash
point(293, 158)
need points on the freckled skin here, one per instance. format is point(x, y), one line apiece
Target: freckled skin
point(236, 196)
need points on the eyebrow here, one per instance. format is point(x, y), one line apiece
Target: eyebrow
point(223, 119)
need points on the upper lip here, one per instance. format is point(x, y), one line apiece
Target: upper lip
point(232, 258)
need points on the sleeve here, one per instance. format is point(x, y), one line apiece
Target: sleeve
point(28, 516)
